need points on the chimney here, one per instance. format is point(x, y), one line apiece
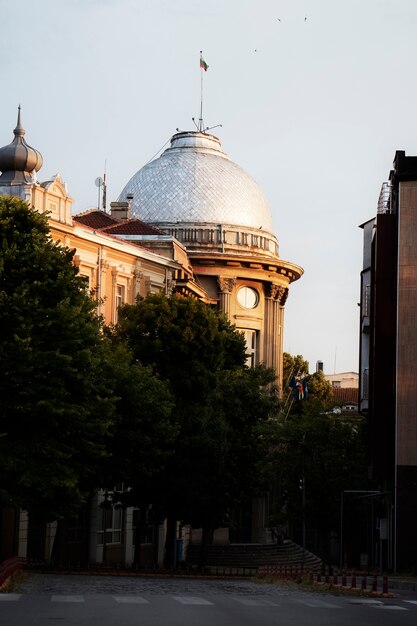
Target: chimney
point(120, 210)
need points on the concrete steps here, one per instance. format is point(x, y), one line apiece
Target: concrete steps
point(253, 555)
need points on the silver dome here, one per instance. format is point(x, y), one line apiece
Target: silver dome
point(195, 181)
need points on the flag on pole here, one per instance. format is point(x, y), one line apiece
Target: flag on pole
point(203, 64)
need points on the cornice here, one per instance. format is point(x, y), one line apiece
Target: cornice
point(114, 243)
point(241, 265)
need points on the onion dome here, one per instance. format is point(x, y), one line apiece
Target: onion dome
point(195, 181)
point(18, 160)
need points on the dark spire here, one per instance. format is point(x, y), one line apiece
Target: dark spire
point(18, 160)
point(19, 130)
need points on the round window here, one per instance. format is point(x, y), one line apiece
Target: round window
point(247, 297)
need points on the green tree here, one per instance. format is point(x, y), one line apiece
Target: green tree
point(55, 409)
point(295, 366)
point(218, 406)
point(235, 449)
point(314, 458)
point(318, 392)
point(143, 434)
point(249, 404)
point(185, 342)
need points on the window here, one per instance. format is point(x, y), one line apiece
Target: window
point(111, 526)
point(247, 297)
point(147, 526)
point(119, 299)
point(86, 280)
point(250, 338)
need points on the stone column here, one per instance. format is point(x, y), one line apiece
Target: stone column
point(282, 301)
point(273, 327)
point(226, 286)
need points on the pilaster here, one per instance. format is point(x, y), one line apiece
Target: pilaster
point(275, 297)
point(226, 286)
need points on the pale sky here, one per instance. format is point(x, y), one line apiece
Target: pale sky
point(313, 109)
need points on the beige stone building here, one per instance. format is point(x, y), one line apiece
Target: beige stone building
point(196, 194)
point(191, 222)
point(343, 380)
point(116, 269)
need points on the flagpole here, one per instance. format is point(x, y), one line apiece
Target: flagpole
point(201, 96)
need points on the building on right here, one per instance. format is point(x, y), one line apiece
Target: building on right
point(388, 362)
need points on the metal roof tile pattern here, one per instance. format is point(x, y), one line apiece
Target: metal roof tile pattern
point(195, 181)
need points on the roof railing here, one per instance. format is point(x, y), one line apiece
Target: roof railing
point(385, 199)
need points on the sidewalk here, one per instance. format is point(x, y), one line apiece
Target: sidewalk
point(406, 583)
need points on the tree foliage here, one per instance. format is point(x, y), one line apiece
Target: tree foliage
point(249, 406)
point(317, 394)
point(55, 410)
point(185, 342)
point(295, 366)
point(315, 456)
point(320, 391)
point(143, 431)
point(219, 405)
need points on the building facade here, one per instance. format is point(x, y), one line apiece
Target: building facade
point(116, 270)
point(195, 193)
point(343, 380)
point(388, 360)
point(190, 222)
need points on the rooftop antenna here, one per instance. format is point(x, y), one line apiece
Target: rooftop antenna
point(104, 196)
point(211, 127)
point(98, 182)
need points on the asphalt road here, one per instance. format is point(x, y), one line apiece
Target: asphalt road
point(122, 601)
